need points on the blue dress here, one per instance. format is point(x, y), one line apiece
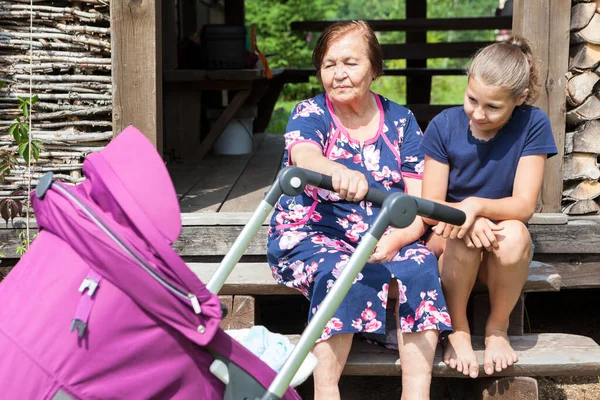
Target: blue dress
point(313, 235)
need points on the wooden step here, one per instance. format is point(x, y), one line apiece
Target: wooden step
point(545, 354)
point(256, 279)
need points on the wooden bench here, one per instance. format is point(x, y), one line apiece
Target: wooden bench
point(206, 237)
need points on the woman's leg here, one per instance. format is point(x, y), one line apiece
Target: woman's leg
point(458, 270)
point(417, 350)
point(504, 271)
point(332, 355)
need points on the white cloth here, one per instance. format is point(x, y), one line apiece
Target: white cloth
point(273, 349)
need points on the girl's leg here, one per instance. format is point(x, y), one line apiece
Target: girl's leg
point(504, 271)
point(458, 270)
point(332, 355)
point(417, 350)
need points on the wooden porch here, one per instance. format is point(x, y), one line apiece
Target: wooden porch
point(229, 183)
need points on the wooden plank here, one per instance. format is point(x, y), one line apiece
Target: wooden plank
point(549, 219)
point(169, 34)
point(417, 51)
point(183, 125)
point(577, 271)
point(198, 75)
point(185, 177)
point(416, 24)
point(241, 312)
point(256, 279)
point(220, 124)
point(418, 88)
point(302, 74)
point(576, 237)
point(137, 67)
point(210, 193)
point(426, 112)
point(543, 354)
point(257, 177)
point(546, 24)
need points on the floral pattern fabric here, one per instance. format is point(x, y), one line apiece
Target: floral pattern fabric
point(313, 235)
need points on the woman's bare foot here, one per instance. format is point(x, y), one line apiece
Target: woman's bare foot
point(459, 354)
point(498, 351)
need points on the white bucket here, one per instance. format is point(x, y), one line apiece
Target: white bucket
point(236, 138)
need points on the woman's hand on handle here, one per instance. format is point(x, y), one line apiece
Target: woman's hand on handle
point(351, 185)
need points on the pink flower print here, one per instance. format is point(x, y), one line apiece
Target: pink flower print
point(334, 324)
point(400, 130)
point(402, 121)
point(290, 239)
point(443, 317)
point(338, 152)
point(368, 314)
point(419, 259)
point(411, 159)
point(330, 283)
point(327, 195)
point(432, 294)
point(420, 167)
point(354, 217)
point(386, 171)
point(419, 132)
point(372, 325)
point(401, 293)
point(383, 295)
point(313, 267)
point(367, 206)
point(291, 137)
point(385, 128)
point(378, 176)
point(426, 306)
point(371, 157)
point(357, 324)
point(407, 323)
point(387, 184)
point(339, 268)
point(354, 233)
point(357, 159)
point(396, 176)
point(315, 217)
point(343, 222)
point(307, 107)
point(428, 323)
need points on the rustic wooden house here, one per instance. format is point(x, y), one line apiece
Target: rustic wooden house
point(123, 68)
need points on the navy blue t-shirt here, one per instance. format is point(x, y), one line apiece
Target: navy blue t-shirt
point(486, 169)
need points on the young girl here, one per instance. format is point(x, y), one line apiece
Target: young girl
point(487, 158)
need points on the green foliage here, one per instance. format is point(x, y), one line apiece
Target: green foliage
point(294, 50)
point(20, 131)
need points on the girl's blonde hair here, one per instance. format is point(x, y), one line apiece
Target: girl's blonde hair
point(509, 64)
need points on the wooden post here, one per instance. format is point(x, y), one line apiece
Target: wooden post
point(235, 13)
point(137, 67)
point(418, 88)
point(545, 23)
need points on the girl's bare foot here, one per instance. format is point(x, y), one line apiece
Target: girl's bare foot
point(459, 354)
point(498, 351)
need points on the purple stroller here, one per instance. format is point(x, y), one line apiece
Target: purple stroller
point(102, 307)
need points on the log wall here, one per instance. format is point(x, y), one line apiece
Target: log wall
point(581, 192)
point(64, 54)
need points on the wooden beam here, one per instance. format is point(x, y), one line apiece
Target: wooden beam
point(416, 24)
point(137, 67)
point(546, 24)
point(235, 13)
point(416, 51)
point(418, 88)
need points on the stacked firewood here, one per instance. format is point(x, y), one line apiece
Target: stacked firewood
point(64, 57)
point(581, 193)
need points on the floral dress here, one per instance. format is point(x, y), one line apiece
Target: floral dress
point(313, 235)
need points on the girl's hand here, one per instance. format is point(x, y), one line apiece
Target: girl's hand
point(386, 249)
point(483, 234)
point(351, 185)
point(470, 207)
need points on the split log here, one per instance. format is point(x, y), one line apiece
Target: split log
point(585, 56)
point(580, 87)
point(589, 34)
point(589, 110)
point(581, 166)
point(586, 139)
point(581, 15)
point(585, 190)
point(582, 207)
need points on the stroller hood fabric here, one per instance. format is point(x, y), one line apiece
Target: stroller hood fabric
point(101, 306)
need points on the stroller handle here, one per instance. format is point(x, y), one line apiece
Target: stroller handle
point(425, 208)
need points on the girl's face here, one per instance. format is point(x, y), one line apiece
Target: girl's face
point(346, 71)
point(489, 107)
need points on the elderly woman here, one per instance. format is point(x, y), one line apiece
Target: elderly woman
point(363, 141)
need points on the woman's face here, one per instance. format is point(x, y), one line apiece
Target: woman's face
point(489, 107)
point(346, 71)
